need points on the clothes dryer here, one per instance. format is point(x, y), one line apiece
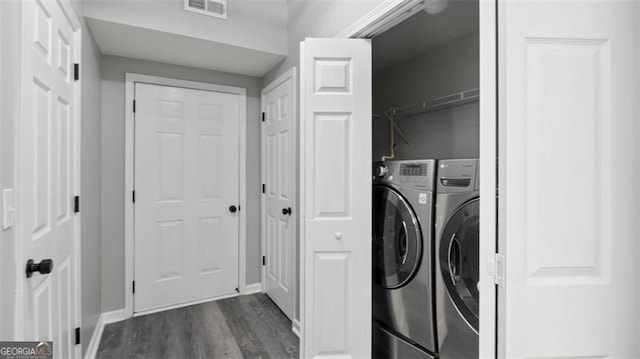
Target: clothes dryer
point(457, 227)
point(403, 288)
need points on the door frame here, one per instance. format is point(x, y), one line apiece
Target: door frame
point(289, 74)
point(74, 22)
point(392, 12)
point(129, 222)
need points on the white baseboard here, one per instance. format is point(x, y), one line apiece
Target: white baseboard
point(114, 316)
point(253, 288)
point(295, 327)
point(94, 343)
point(104, 319)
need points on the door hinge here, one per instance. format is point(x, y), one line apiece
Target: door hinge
point(133, 287)
point(133, 196)
point(264, 260)
point(76, 204)
point(134, 106)
point(77, 335)
point(76, 72)
point(264, 188)
point(263, 115)
point(496, 269)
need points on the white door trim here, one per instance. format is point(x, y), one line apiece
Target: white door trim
point(392, 12)
point(77, 148)
point(289, 74)
point(130, 80)
point(488, 175)
point(382, 18)
point(67, 9)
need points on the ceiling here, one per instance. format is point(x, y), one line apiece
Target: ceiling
point(145, 44)
point(251, 41)
point(423, 32)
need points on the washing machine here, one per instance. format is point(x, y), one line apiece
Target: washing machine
point(457, 224)
point(403, 295)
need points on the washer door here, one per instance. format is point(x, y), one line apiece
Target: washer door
point(459, 259)
point(397, 240)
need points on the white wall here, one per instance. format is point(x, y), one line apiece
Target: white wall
point(253, 24)
point(450, 133)
point(112, 159)
point(90, 196)
point(9, 115)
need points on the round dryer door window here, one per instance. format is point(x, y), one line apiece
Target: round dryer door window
point(397, 240)
point(459, 259)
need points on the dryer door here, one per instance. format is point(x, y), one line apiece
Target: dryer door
point(397, 240)
point(459, 259)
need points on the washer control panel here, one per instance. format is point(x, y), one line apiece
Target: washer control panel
point(419, 174)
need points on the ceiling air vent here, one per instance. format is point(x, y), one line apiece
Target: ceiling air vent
point(215, 8)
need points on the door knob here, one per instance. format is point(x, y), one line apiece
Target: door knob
point(233, 209)
point(44, 267)
point(286, 211)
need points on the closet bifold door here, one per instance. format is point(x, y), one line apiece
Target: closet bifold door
point(335, 141)
point(569, 186)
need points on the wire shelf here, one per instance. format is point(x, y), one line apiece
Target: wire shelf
point(437, 104)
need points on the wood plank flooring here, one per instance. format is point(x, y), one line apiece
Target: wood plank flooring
point(249, 326)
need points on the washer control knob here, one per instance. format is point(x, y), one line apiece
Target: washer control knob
point(381, 171)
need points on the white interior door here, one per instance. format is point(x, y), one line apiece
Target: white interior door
point(569, 178)
point(47, 177)
point(335, 184)
point(186, 189)
point(278, 138)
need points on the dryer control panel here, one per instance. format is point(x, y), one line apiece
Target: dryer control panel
point(418, 174)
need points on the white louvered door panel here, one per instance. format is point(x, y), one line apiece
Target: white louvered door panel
point(335, 163)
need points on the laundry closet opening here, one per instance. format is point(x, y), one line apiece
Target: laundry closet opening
point(426, 144)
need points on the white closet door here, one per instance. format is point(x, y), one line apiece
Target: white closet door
point(47, 174)
point(279, 186)
point(569, 184)
point(186, 180)
point(336, 198)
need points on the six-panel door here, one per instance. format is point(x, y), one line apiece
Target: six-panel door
point(47, 173)
point(279, 186)
point(186, 195)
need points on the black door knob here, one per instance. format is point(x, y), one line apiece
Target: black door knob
point(286, 211)
point(44, 267)
point(233, 209)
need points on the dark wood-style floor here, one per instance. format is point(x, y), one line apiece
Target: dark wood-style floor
point(249, 326)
